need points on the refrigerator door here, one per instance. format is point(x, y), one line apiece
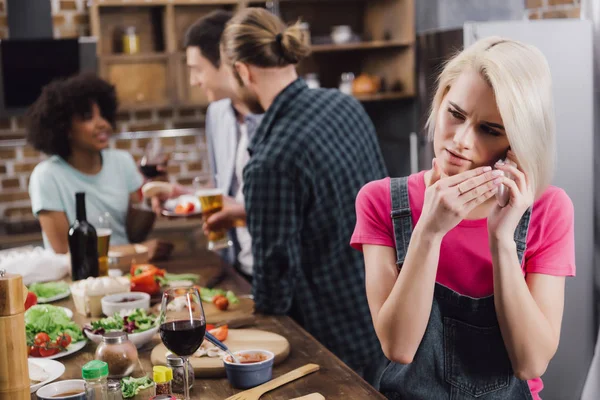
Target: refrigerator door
point(567, 44)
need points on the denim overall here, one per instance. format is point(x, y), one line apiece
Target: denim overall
point(462, 355)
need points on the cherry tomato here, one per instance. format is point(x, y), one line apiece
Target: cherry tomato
point(49, 349)
point(41, 339)
point(217, 297)
point(222, 303)
point(31, 300)
point(63, 340)
point(34, 351)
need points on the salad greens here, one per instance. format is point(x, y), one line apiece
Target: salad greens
point(179, 277)
point(207, 295)
point(130, 387)
point(49, 289)
point(51, 320)
point(133, 321)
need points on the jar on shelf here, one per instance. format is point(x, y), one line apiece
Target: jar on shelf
point(119, 353)
point(176, 364)
point(131, 41)
point(346, 83)
point(312, 80)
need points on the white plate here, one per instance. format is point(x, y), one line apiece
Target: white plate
point(43, 300)
point(138, 339)
point(68, 311)
point(54, 369)
point(73, 348)
point(169, 210)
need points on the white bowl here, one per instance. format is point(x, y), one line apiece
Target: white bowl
point(50, 392)
point(113, 303)
point(138, 339)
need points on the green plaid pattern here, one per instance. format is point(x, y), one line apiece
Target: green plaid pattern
point(311, 155)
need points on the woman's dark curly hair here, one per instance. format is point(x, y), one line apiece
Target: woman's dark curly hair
point(50, 118)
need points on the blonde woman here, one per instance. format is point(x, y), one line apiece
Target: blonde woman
point(466, 295)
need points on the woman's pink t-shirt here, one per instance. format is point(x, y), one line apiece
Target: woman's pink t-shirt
point(465, 263)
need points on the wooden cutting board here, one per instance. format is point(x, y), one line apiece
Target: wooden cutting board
point(237, 339)
point(242, 310)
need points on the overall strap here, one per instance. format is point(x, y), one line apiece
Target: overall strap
point(521, 234)
point(401, 216)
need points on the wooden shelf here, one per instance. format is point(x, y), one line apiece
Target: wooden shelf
point(377, 44)
point(133, 58)
point(384, 96)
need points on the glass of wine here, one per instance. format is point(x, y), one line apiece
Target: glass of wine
point(155, 159)
point(182, 325)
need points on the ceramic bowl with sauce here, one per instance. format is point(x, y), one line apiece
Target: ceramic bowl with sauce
point(255, 369)
point(114, 303)
point(73, 389)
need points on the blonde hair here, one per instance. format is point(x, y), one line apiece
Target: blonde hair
point(255, 36)
point(520, 77)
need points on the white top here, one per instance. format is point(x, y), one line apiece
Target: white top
point(243, 236)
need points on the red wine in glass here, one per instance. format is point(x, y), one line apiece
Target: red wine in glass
point(154, 156)
point(183, 337)
point(182, 325)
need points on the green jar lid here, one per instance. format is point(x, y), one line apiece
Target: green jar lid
point(94, 369)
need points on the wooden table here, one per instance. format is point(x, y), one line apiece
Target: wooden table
point(334, 380)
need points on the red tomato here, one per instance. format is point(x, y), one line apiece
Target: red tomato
point(210, 327)
point(222, 303)
point(49, 349)
point(41, 339)
point(31, 300)
point(189, 207)
point(63, 340)
point(34, 351)
point(220, 333)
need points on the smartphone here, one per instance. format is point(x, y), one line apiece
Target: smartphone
point(503, 194)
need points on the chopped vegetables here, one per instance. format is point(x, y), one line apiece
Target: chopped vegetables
point(207, 295)
point(145, 278)
point(134, 321)
point(131, 387)
point(49, 330)
point(49, 289)
point(220, 333)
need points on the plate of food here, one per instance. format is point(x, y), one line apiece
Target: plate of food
point(51, 333)
point(140, 326)
point(48, 292)
point(184, 206)
point(43, 371)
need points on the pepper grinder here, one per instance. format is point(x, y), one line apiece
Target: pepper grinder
point(14, 371)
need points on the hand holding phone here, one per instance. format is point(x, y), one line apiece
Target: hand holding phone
point(503, 194)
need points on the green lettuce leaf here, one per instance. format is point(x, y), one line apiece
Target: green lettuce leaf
point(130, 387)
point(49, 289)
point(51, 320)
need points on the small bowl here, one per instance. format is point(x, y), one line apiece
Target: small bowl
point(249, 375)
point(53, 390)
point(112, 303)
point(138, 339)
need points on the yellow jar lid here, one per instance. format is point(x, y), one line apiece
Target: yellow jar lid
point(162, 374)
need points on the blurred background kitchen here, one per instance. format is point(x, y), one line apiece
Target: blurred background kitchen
point(384, 52)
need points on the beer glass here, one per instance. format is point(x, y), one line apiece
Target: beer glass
point(103, 231)
point(211, 201)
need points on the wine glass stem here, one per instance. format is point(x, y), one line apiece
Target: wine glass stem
point(186, 383)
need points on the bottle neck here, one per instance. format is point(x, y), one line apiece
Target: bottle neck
point(80, 200)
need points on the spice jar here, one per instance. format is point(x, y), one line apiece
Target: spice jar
point(346, 83)
point(176, 364)
point(131, 41)
point(114, 390)
point(162, 377)
point(119, 353)
point(96, 384)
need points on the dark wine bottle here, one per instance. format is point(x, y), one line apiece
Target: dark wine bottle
point(83, 244)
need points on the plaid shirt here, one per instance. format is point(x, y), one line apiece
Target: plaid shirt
point(311, 155)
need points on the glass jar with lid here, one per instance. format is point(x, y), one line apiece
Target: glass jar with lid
point(176, 364)
point(119, 353)
point(96, 385)
point(114, 390)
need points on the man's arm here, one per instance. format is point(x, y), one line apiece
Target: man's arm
point(274, 213)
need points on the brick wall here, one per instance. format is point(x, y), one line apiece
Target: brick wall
point(188, 161)
point(543, 9)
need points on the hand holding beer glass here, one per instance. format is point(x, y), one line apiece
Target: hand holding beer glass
point(103, 231)
point(211, 201)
